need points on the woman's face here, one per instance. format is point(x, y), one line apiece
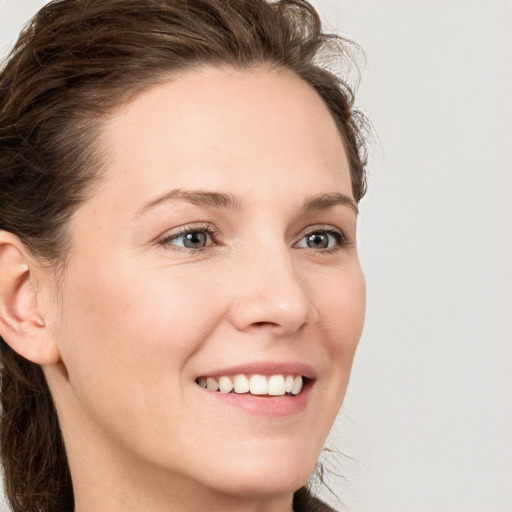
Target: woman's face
point(221, 242)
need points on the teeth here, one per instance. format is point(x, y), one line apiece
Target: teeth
point(276, 385)
point(225, 385)
point(297, 385)
point(288, 383)
point(212, 384)
point(273, 385)
point(241, 384)
point(258, 384)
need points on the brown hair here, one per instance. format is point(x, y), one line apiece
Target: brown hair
point(72, 65)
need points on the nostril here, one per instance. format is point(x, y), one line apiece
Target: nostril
point(261, 312)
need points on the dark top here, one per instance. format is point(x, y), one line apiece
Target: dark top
point(303, 501)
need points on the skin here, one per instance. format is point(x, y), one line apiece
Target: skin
point(139, 317)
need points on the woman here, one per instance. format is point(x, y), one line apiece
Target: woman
point(181, 296)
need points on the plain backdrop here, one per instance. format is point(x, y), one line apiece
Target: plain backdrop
point(427, 422)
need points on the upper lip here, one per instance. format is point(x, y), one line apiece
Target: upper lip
point(265, 368)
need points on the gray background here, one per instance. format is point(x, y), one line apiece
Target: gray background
point(426, 424)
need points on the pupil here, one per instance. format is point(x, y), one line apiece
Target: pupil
point(318, 241)
point(196, 240)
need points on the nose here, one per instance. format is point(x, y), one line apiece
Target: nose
point(271, 295)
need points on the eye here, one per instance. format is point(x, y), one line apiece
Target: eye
point(322, 239)
point(193, 239)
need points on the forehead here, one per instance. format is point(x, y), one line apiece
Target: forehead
point(213, 128)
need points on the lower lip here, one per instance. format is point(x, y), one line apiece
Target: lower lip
point(273, 406)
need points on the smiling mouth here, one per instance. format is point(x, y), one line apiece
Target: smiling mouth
point(256, 384)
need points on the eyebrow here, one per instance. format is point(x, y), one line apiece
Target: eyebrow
point(226, 201)
point(326, 201)
point(219, 200)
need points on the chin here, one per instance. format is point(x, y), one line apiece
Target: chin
point(264, 486)
point(278, 474)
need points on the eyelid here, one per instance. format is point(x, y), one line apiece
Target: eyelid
point(343, 240)
point(213, 234)
point(201, 227)
point(322, 227)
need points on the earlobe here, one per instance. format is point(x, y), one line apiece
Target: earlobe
point(21, 324)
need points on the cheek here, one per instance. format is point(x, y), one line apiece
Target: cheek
point(122, 335)
point(341, 308)
point(126, 344)
point(342, 311)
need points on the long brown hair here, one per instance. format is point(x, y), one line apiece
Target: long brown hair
point(72, 65)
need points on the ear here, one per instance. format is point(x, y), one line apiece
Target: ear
point(21, 324)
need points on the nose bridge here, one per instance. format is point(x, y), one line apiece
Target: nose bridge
point(271, 292)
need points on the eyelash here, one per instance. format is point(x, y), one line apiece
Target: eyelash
point(341, 240)
point(199, 228)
